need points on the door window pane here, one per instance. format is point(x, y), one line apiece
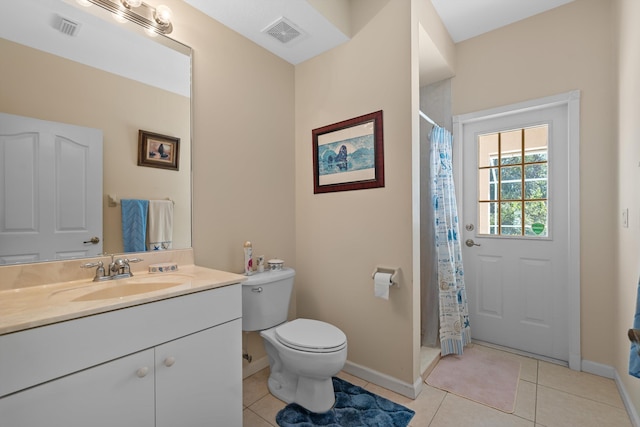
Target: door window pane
point(511, 218)
point(535, 181)
point(487, 150)
point(513, 182)
point(535, 214)
point(488, 213)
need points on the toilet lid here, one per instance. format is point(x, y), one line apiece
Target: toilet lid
point(311, 335)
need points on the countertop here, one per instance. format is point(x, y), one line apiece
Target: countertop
point(34, 306)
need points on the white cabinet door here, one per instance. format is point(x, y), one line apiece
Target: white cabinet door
point(199, 379)
point(112, 394)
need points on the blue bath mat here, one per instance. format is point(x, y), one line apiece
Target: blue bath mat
point(354, 407)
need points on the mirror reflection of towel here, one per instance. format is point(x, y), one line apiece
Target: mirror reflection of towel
point(134, 224)
point(160, 224)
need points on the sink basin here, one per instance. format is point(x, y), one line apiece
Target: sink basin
point(134, 286)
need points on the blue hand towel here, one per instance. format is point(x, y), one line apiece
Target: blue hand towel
point(134, 224)
point(634, 357)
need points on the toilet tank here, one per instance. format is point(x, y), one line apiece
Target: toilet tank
point(265, 299)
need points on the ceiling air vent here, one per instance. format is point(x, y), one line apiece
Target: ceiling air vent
point(283, 30)
point(68, 27)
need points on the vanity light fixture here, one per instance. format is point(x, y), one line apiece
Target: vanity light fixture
point(154, 19)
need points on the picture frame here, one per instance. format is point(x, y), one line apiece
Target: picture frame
point(349, 155)
point(158, 151)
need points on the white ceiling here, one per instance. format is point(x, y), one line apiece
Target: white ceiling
point(462, 18)
point(251, 17)
point(465, 19)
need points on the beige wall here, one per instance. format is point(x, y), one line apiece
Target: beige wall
point(341, 237)
point(628, 194)
point(243, 152)
point(555, 52)
point(48, 87)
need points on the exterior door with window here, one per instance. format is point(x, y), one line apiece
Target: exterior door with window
point(515, 225)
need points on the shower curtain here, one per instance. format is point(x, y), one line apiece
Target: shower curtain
point(455, 332)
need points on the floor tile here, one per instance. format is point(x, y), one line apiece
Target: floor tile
point(255, 387)
point(425, 405)
point(456, 411)
point(557, 408)
point(268, 407)
point(582, 384)
point(526, 400)
point(251, 419)
point(352, 379)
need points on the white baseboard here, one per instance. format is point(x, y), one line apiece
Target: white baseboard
point(628, 403)
point(250, 368)
point(610, 372)
point(383, 380)
point(598, 369)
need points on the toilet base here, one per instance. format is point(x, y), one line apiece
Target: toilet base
point(315, 395)
point(312, 394)
point(282, 388)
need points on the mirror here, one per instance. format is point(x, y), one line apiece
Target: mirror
point(109, 76)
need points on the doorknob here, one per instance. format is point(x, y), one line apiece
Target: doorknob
point(95, 240)
point(471, 243)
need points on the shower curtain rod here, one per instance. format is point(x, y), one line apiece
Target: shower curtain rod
point(427, 118)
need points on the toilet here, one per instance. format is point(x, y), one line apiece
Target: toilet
point(303, 353)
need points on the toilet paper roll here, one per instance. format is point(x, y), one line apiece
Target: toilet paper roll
point(381, 283)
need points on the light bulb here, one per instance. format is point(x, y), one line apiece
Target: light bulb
point(85, 3)
point(163, 15)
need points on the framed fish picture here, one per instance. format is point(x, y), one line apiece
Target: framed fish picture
point(158, 151)
point(349, 155)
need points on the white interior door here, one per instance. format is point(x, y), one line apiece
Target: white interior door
point(50, 190)
point(515, 221)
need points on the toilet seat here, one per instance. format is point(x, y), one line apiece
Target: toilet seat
point(311, 336)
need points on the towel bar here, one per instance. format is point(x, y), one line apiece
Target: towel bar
point(112, 200)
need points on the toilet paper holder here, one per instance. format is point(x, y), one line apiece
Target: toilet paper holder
point(388, 270)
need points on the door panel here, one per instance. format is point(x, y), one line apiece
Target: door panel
point(517, 278)
point(50, 190)
point(107, 395)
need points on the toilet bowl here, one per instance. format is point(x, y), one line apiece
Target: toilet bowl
point(303, 353)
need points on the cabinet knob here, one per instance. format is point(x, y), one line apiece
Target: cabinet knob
point(142, 372)
point(169, 361)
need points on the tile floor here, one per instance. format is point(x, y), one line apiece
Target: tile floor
point(548, 395)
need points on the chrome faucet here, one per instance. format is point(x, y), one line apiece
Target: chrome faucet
point(118, 269)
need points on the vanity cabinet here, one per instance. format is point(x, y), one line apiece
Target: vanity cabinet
point(175, 362)
point(110, 394)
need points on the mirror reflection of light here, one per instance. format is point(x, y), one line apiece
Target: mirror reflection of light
point(119, 17)
point(163, 15)
point(131, 3)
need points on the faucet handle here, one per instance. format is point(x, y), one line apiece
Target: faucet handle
point(133, 260)
point(91, 264)
point(100, 271)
